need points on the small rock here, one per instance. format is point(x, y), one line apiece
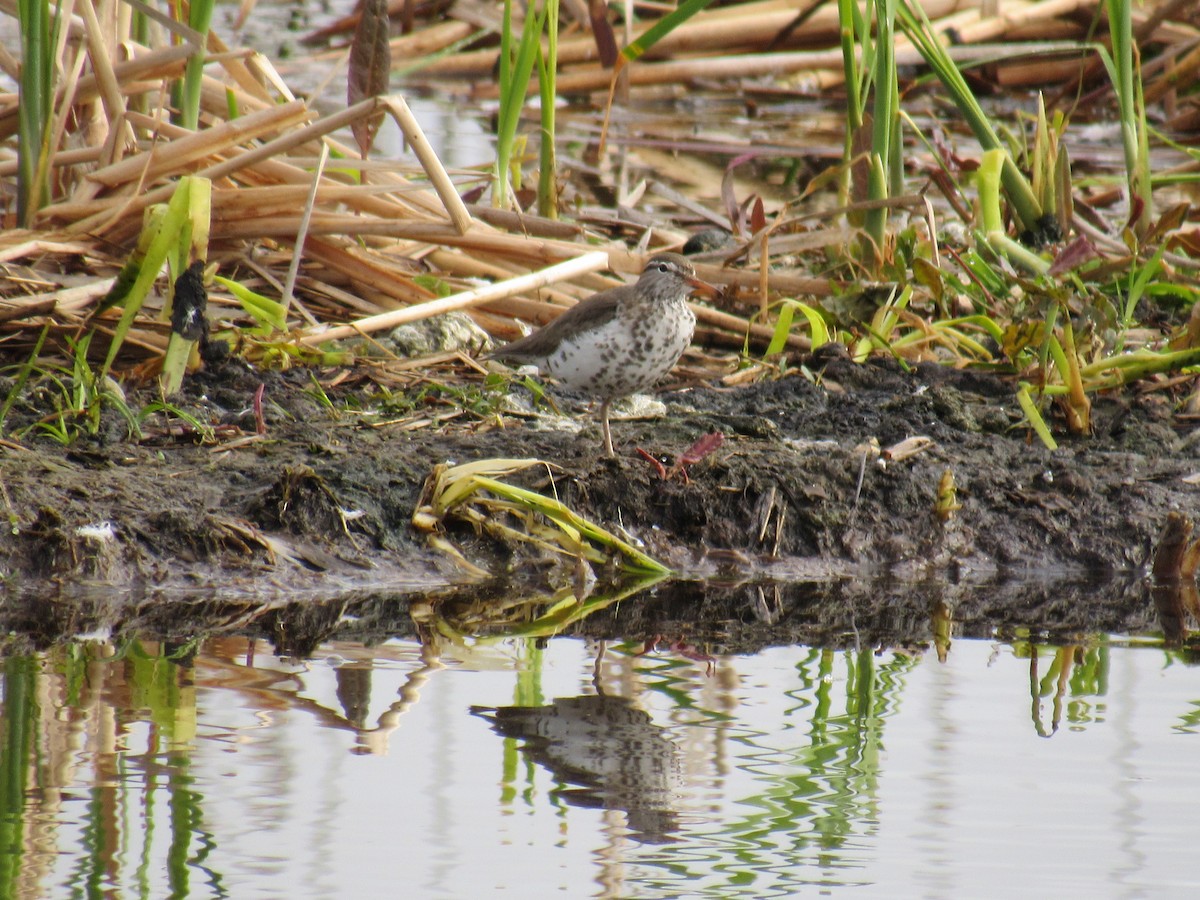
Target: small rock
point(447, 332)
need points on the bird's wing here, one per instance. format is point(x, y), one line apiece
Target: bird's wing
point(591, 313)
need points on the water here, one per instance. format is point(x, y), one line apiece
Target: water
point(373, 772)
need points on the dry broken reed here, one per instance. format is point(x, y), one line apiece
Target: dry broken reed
point(375, 226)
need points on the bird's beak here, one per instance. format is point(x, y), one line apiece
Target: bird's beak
point(702, 287)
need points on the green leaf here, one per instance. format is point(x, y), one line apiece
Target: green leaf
point(156, 254)
point(816, 326)
point(660, 29)
point(267, 312)
point(1036, 422)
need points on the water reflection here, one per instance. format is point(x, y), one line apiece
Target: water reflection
point(93, 740)
point(1074, 678)
point(211, 769)
point(613, 751)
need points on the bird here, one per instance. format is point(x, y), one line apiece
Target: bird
point(605, 752)
point(620, 341)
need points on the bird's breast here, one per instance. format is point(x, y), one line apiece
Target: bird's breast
point(627, 354)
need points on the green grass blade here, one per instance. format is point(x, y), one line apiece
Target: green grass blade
point(885, 144)
point(547, 88)
point(199, 18)
point(917, 27)
point(1036, 422)
point(36, 86)
point(515, 72)
point(267, 312)
point(660, 29)
point(817, 327)
point(558, 512)
point(156, 254)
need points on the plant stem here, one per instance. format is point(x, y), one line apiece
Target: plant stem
point(33, 114)
point(547, 80)
point(200, 18)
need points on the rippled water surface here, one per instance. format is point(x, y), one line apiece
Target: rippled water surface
point(567, 771)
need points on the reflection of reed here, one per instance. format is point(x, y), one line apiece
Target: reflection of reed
point(224, 665)
point(1075, 671)
point(64, 716)
point(608, 747)
point(122, 724)
point(375, 740)
point(64, 722)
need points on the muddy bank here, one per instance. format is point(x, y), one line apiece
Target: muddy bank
point(686, 619)
point(319, 508)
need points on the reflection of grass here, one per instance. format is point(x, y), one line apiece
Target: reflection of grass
point(102, 688)
point(156, 684)
point(533, 617)
point(822, 792)
point(18, 717)
point(1073, 671)
point(820, 789)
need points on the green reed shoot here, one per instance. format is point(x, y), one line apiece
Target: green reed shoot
point(989, 178)
point(271, 315)
point(547, 88)
point(188, 94)
point(1123, 67)
point(179, 234)
point(885, 173)
point(516, 68)
point(858, 51)
point(869, 65)
point(855, 35)
point(36, 84)
point(1033, 414)
point(818, 328)
point(1076, 405)
point(1051, 168)
point(917, 27)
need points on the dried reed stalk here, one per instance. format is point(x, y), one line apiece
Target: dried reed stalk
point(731, 30)
point(360, 262)
point(588, 262)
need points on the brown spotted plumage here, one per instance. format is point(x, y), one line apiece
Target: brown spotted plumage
point(620, 341)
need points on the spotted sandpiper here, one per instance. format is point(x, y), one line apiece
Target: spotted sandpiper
point(620, 341)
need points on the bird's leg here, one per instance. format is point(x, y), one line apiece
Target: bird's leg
point(608, 447)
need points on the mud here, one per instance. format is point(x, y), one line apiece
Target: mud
point(304, 532)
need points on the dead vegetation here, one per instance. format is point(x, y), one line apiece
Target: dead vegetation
point(387, 235)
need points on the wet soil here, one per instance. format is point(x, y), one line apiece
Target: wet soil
point(788, 532)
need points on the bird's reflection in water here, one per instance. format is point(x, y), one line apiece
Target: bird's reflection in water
point(608, 747)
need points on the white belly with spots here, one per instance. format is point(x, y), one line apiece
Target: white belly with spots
point(622, 358)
